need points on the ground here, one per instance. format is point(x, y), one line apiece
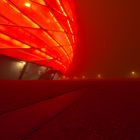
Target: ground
point(70, 110)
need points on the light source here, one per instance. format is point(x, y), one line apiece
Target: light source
point(27, 4)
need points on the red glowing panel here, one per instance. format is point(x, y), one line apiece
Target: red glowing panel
point(38, 31)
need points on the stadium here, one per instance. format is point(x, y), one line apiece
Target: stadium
point(37, 38)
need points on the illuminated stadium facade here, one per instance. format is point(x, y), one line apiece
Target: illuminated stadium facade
point(37, 32)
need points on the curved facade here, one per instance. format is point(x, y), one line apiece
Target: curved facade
point(39, 31)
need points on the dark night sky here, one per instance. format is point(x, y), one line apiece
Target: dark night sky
point(108, 39)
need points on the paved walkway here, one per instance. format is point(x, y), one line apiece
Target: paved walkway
point(106, 110)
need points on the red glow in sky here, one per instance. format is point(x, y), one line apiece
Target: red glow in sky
point(108, 38)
